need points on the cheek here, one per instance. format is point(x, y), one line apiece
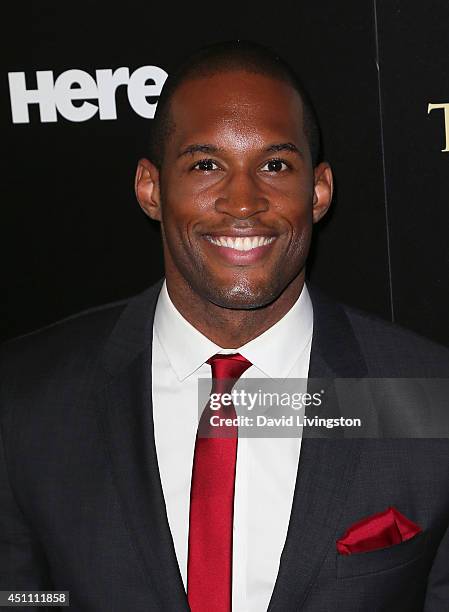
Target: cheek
point(178, 221)
point(304, 225)
point(301, 223)
point(182, 207)
point(175, 207)
point(297, 213)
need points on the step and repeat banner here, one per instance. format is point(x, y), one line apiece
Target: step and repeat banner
point(80, 86)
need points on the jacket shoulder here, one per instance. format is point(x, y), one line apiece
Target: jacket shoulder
point(392, 350)
point(70, 345)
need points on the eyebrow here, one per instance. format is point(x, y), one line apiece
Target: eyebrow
point(211, 149)
point(199, 148)
point(283, 146)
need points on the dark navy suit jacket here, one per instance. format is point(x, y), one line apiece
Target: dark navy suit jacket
point(81, 503)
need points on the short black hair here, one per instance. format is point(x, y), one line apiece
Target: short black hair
point(225, 57)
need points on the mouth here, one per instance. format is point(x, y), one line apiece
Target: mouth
point(240, 250)
point(240, 243)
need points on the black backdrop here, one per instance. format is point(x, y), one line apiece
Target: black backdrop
point(73, 235)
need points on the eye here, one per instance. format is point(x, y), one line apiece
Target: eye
point(205, 165)
point(275, 165)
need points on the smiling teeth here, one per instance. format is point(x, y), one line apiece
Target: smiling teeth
point(241, 244)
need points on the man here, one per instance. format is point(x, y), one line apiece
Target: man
point(107, 490)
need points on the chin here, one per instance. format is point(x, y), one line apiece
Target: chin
point(241, 296)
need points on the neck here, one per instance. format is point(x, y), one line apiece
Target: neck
point(227, 327)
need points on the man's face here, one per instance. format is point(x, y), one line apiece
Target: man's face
point(236, 190)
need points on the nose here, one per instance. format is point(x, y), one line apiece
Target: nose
point(242, 197)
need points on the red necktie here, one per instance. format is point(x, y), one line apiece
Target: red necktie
point(209, 567)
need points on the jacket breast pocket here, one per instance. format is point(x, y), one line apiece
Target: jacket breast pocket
point(360, 564)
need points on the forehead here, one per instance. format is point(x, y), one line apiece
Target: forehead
point(236, 106)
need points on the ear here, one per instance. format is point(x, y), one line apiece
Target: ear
point(147, 188)
point(323, 188)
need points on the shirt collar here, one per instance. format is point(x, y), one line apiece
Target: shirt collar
point(274, 352)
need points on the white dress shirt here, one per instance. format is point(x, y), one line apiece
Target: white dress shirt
point(266, 467)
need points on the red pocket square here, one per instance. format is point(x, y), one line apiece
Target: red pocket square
point(377, 531)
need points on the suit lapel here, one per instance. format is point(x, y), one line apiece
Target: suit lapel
point(326, 466)
point(125, 407)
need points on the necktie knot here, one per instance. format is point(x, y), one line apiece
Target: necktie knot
point(227, 369)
